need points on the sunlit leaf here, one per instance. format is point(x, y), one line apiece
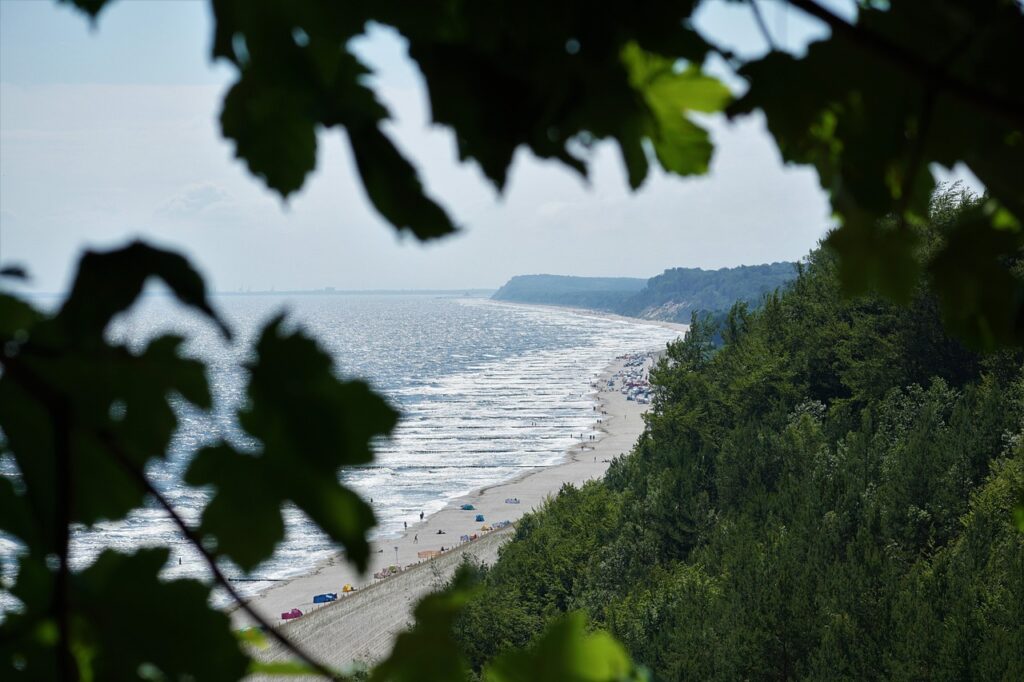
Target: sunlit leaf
point(427, 651)
point(566, 652)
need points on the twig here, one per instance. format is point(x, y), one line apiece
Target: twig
point(211, 562)
point(762, 25)
point(916, 160)
point(1009, 108)
point(62, 530)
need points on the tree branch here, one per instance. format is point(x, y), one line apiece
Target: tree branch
point(915, 64)
point(211, 561)
point(62, 530)
point(762, 25)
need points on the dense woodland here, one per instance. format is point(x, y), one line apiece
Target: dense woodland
point(828, 495)
point(593, 293)
point(673, 295)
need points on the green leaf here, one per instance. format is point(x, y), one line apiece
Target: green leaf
point(427, 651)
point(27, 637)
point(393, 186)
point(16, 321)
point(982, 299)
point(309, 424)
point(281, 668)
point(127, 617)
point(566, 652)
point(245, 514)
point(876, 258)
point(90, 7)
point(104, 408)
point(681, 146)
point(15, 515)
point(272, 132)
point(108, 283)
point(14, 272)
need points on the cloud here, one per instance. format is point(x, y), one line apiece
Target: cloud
point(194, 201)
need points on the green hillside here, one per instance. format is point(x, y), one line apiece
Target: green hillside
point(672, 296)
point(677, 293)
point(827, 496)
point(595, 293)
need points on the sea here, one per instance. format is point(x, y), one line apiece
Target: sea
point(485, 390)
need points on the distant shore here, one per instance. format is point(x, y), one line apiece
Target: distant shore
point(363, 625)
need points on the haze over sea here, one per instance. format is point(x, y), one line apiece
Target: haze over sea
point(485, 390)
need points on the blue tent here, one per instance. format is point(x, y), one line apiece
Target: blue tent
point(324, 598)
point(479, 517)
point(468, 507)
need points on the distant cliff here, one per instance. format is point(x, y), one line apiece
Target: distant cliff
point(673, 295)
point(594, 293)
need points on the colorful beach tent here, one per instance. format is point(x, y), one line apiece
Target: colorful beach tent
point(288, 615)
point(479, 517)
point(348, 588)
point(468, 507)
point(324, 598)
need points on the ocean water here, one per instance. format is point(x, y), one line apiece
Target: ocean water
point(485, 390)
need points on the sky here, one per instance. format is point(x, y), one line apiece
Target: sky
point(109, 132)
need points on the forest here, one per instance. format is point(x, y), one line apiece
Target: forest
point(828, 495)
point(672, 296)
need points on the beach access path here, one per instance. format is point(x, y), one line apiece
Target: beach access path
point(362, 626)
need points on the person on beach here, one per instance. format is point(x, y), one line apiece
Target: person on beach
point(405, 524)
point(416, 538)
point(421, 516)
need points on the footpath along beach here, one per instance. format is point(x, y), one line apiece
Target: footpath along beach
point(362, 625)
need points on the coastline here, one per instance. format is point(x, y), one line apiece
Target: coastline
point(362, 625)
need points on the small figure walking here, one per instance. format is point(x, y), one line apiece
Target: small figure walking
point(415, 538)
point(405, 524)
point(421, 516)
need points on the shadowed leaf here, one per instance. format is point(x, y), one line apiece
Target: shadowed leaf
point(310, 424)
point(127, 617)
point(393, 186)
point(108, 283)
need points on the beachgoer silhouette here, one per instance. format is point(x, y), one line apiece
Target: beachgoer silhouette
point(405, 524)
point(416, 538)
point(421, 516)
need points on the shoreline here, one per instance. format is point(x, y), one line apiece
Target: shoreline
point(362, 625)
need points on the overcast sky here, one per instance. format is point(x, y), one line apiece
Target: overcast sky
point(110, 132)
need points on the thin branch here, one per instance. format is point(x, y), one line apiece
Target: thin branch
point(915, 64)
point(762, 25)
point(211, 562)
point(62, 531)
point(916, 160)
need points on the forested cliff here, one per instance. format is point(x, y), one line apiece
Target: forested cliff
point(827, 496)
point(673, 295)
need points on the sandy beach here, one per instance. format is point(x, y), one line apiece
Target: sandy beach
point(362, 626)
